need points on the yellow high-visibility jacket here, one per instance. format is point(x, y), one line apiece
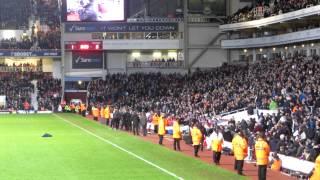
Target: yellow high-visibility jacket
point(162, 126)
point(316, 171)
point(240, 147)
point(176, 130)
point(262, 149)
point(196, 136)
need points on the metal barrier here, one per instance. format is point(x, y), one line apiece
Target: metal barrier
point(20, 69)
point(155, 64)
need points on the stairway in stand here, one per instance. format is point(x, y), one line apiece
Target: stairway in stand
point(34, 95)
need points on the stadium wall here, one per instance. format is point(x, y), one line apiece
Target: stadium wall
point(200, 37)
point(235, 5)
point(116, 62)
point(56, 69)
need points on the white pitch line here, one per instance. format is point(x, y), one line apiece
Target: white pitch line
point(119, 147)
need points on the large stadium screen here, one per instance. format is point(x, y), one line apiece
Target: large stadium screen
point(95, 10)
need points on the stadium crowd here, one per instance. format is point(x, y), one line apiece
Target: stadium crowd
point(18, 89)
point(19, 67)
point(49, 93)
point(290, 85)
point(264, 8)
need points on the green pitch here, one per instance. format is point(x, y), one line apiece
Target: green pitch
point(85, 150)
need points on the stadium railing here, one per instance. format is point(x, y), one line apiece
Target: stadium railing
point(20, 69)
point(155, 64)
point(313, 10)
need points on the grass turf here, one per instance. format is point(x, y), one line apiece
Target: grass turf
point(73, 154)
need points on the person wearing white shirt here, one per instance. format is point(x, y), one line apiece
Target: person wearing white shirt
point(216, 145)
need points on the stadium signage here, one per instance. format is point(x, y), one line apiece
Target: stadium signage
point(87, 60)
point(26, 53)
point(120, 27)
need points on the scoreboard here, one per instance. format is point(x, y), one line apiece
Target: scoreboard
point(83, 46)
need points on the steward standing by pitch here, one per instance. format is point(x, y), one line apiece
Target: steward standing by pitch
point(240, 151)
point(196, 138)
point(161, 128)
point(262, 149)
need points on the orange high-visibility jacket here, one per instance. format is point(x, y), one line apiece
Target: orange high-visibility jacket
point(155, 119)
point(95, 112)
point(262, 149)
point(72, 106)
point(176, 130)
point(82, 107)
point(316, 171)
point(196, 136)
point(240, 147)
point(276, 165)
point(107, 112)
point(102, 112)
point(162, 126)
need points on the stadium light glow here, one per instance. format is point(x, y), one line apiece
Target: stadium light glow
point(136, 54)
point(245, 50)
point(8, 34)
point(157, 54)
point(302, 45)
point(294, 46)
point(260, 49)
point(312, 44)
point(172, 54)
point(286, 48)
point(274, 49)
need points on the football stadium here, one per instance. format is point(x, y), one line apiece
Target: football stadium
point(159, 89)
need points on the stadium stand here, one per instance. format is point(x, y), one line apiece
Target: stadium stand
point(278, 92)
point(290, 85)
point(14, 14)
point(263, 9)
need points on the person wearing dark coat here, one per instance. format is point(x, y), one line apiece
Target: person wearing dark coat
point(116, 119)
point(135, 123)
point(143, 123)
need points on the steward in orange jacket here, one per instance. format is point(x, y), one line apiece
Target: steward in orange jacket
point(196, 139)
point(102, 112)
point(276, 162)
point(262, 149)
point(95, 113)
point(107, 114)
point(176, 135)
point(83, 109)
point(240, 150)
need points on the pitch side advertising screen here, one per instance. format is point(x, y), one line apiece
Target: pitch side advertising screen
point(94, 10)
